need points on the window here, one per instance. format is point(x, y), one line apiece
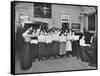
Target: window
point(91, 22)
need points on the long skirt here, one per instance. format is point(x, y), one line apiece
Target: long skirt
point(55, 48)
point(84, 53)
point(75, 49)
point(26, 57)
point(34, 49)
point(19, 42)
point(41, 50)
point(62, 50)
point(48, 51)
point(91, 55)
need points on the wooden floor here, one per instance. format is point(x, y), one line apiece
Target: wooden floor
point(59, 64)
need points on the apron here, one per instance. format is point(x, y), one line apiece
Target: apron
point(62, 46)
point(68, 45)
point(62, 50)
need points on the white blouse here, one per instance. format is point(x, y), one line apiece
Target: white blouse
point(41, 38)
point(48, 39)
point(62, 39)
point(69, 37)
point(75, 37)
point(25, 35)
point(82, 43)
point(55, 37)
point(34, 41)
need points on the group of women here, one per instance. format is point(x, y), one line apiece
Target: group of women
point(46, 44)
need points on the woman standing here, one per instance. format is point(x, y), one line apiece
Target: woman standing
point(41, 46)
point(48, 51)
point(34, 47)
point(26, 55)
point(68, 44)
point(55, 44)
point(62, 40)
point(84, 49)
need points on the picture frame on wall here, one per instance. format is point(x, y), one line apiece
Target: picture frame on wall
point(42, 10)
point(42, 40)
point(76, 26)
point(64, 18)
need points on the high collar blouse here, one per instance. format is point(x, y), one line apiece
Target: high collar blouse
point(48, 39)
point(62, 38)
point(41, 38)
point(55, 37)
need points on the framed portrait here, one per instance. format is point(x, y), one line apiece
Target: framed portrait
point(42, 10)
point(41, 41)
point(64, 18)
point(75, 26)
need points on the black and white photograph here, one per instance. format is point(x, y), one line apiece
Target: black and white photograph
point(53, 37)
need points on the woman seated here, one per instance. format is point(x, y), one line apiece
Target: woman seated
point(84, 49)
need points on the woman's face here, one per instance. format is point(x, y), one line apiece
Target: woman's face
point(62, 34)
point(68, 34)
point(45, 33)
point(55, 31)
point(70, 31)
point(73, 33)
point(66, 31)
point(41, 32)
point(83, 37)
point(33, 30)
point(30, 28)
